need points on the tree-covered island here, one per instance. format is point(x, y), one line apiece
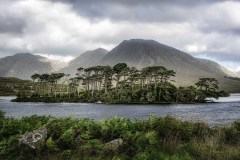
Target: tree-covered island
point(118, 84)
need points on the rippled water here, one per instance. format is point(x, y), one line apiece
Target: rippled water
point(225, 111)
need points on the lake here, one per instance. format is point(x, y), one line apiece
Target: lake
point(224, 112)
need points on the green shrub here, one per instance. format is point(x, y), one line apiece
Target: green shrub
point(51, 145)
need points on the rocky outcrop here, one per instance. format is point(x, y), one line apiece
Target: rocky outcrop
point(34, 139)
point(114, 144)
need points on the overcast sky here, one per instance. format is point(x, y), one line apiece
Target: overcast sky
point(204, 28)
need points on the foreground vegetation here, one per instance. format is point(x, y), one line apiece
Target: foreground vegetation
point(155, 138)
point(118, 84)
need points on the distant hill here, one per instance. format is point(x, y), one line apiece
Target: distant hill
point(86, 59)
point(23, 65)
point(10, 86)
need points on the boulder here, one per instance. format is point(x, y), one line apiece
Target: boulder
point(114, 144)
point(34, 139)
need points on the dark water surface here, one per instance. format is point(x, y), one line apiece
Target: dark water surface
point(224, 112)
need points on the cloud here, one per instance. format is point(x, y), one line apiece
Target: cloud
point(222, 17)
point(54, 28)
point(194, 48)
point(142, 10)
point(56, 57)
point(68, 28)
point(10, 22)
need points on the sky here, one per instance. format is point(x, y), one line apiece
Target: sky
point(63, 29)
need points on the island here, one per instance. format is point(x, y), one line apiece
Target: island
point(120, 84)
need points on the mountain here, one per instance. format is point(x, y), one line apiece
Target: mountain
point(23, 65)
point(86, 59)
point(141, 53)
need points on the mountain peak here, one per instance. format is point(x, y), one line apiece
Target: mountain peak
point(23, 54)
point(146, 44)
point(28, 55)
point(140, 41)
point(86, 59)
point(100, 50)
point(141, 52)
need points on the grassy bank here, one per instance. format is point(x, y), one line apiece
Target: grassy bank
point(155, 138)
point(10, 86)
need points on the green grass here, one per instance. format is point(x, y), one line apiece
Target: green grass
point(156, 138)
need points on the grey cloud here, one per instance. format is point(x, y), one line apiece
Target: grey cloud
point(139, 10)
point(143, 2)
point(9, 21)
point(155, 11)
point(11, 25)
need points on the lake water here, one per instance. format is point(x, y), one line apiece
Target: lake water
point(224, 112)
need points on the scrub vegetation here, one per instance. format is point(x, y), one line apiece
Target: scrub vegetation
point(156, 138)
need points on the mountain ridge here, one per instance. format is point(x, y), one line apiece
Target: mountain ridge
point(135, 52)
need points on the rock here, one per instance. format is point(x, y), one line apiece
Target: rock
point(34, 139)
point(114, 144)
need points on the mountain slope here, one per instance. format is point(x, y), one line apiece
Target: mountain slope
point(87, 59)
point(215, 67)
point(23, 65)
point(141, 53)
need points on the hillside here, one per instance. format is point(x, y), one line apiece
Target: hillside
point(23, 65)
point(9, 86)
point(86, 59)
